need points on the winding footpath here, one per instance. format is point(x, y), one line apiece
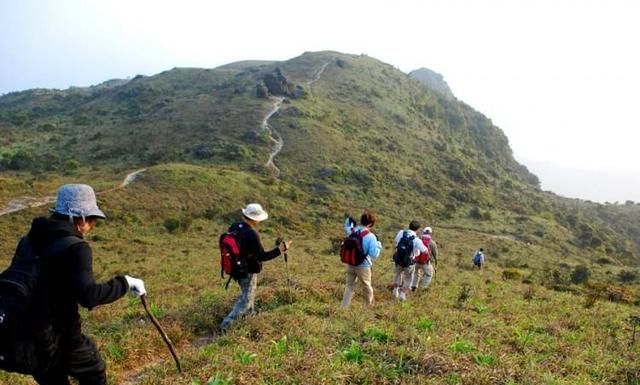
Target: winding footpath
point(275, 137)
point(20, 204)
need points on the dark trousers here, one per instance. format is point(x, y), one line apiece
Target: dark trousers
point(79, 359)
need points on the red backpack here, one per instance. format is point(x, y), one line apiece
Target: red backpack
point(424, 257)
point(351, 251)
point(232, 262)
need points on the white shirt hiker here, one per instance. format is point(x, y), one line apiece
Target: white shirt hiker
point(418, 246)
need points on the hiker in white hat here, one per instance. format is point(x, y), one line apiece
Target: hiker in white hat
point(251, 256)
point(66, 276)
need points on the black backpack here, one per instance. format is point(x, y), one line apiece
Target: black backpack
point(27, 342)
point(402, 256)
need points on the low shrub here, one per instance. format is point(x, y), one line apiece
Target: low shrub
point(580, 274)
point(511, 275)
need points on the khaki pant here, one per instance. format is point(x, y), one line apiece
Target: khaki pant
point(363, 275)
point(427, 274)
point(402, 277)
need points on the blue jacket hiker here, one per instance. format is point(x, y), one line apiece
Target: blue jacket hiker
point(478, 258)
point(371, 247)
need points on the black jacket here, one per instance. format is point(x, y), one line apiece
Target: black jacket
point(67, 278)
point(251, 247)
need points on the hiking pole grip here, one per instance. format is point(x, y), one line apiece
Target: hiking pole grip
point(167, 341)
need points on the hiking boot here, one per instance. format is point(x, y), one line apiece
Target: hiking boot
point(402, 296)
point(413, 288)
point(396, 292)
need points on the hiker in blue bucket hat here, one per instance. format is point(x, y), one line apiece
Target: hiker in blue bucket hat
point(67, 281)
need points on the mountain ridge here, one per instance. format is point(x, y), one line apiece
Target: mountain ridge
point(364, 126)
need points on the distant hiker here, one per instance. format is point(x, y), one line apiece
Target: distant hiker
point(478, 258)
point(55, 253)
point(408, 247)
point(368, 249)
point(251, 256)
point(425, 261)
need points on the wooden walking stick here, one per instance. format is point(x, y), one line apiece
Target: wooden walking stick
point(143, 299)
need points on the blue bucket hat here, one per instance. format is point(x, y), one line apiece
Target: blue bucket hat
point(77, 200)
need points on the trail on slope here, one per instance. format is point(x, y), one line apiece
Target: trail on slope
point(26, 202)
point(275, 137)
point(319, 72)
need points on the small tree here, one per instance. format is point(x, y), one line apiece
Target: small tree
point(627, 276)
point(580, 274)
point(475, 212)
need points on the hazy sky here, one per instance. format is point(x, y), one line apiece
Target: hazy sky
point(560, 77)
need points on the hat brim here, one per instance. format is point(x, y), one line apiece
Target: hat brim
point(92, 213)
point(258, 217)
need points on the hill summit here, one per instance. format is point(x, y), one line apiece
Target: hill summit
point(433, 80)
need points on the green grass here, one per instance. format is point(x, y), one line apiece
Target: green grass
point(496, 334)
point(348, 144)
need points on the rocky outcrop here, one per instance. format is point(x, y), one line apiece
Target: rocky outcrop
point(262, 91)
point(433, 80)
point(276, 84)
point(298, 93)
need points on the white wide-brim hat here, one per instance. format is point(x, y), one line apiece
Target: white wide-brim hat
point(255, 212)
point(77, 200)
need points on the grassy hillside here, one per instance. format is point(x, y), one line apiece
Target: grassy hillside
point(507, 327)
point(552, 308)
point(359, 128)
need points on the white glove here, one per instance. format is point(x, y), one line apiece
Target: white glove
point(380, 245)
point(136, 286)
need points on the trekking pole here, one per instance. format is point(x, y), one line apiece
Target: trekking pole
point(143, 299)
point(435, 268)
point(286, 263)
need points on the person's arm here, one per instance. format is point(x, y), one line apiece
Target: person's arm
point(88, 293)
point(254, 247)
point(349, 225)
point(398, 237)
point(433, 249)
point(419, 245)
point(371, 246)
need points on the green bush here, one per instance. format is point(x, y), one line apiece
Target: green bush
point(580, 274)
point(511, 275)
point(172, 224)
point(627, 276)
point(475, 212)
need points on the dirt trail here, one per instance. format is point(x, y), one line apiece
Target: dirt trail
point(26, 202)
point(319, 73)
point(276, 138)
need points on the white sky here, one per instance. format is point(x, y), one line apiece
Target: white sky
point(560, 77)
